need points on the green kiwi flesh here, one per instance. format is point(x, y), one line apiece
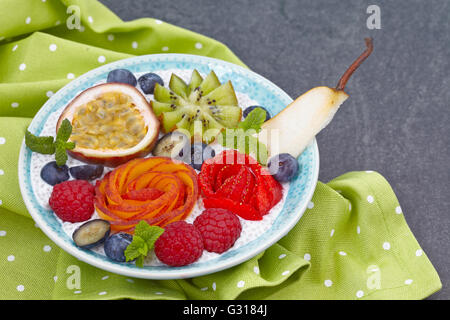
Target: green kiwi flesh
point(204, 104)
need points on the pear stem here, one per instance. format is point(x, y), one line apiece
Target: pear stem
point(348, 73)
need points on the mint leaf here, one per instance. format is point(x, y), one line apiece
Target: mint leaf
point(140, 261)
point(253, 147)
point(60, 154)
point(144, 239)
point(42, 145)
point(48, 145)
point(244, 142)
point(243, 137)
point(69, 145)
point(61, 144)
point(64, 131)
point(149, 233)
point(135, 249)
point(254, 120)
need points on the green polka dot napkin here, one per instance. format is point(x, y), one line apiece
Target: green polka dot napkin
point(352, 242)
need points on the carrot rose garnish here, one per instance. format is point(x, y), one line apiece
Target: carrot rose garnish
point(157, 190)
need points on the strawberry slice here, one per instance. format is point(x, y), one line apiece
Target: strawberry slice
point(233, 187)
point(236, 182)
point(205, 180)
point(226, 172)
point(274, 187)
point(247, 193)
point(244, 211)
point(262, 199)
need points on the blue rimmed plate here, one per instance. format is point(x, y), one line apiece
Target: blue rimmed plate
point(256, 87)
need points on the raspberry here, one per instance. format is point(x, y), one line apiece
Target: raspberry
point(179, 245)
point(73, 201)
point(219, 228)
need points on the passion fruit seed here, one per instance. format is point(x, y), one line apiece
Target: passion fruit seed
point(111, 121)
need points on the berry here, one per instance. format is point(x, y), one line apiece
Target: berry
point(73, 201)
point(236, 182)
point(92, 233)
point(283, 167)
point(199, 153)
point(54, 174)
point(219, 228)
point(147, 82)
point(116, 244)
point(179, 245)
point(251, 108)
point(87, 172)
point(245, 211)
point(122, 76)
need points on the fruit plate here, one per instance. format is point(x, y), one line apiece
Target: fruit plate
point(254, 87)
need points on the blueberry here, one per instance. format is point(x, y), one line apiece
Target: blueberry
point(199, 153)
point(92, 233)
point(147, 82)
point(87, 172)
point(122, 76)
point(251, 108)
point(54, 174)
point(283, 167)
point(116, 244)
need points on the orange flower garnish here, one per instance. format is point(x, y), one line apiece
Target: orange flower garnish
point(157, 190)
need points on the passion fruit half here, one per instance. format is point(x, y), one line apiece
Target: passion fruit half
point(112, 123)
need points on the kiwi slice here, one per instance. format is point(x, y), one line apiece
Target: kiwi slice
point(173, 145)
point(201, 107)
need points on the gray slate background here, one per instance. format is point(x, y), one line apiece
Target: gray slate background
point(396, 120)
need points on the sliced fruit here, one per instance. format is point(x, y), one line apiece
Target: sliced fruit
point(178, 86)
point(236, 182)
point(244, 211)
point(111, 124)
point(210, 83)
point(143, 194)
point(196, 80)
point(201, 108)
point(173, 145)
point(91, 233)
point(295, 127)
point(156, 189)
point(170, 120)
point(160, 107)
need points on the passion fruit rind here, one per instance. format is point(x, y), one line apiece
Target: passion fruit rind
point(112, 124)
point(111, 162)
